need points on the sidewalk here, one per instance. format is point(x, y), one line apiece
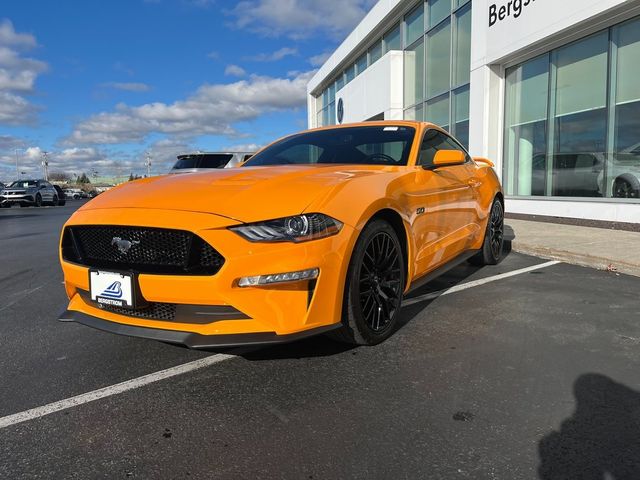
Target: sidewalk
point(600, 248)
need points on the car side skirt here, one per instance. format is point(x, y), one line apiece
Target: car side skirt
point(442, 269)
point(189, 339)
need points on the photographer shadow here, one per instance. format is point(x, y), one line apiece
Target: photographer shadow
point(602, 438)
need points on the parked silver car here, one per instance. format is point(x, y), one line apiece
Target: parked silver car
point(203, 161)
point(28, 192)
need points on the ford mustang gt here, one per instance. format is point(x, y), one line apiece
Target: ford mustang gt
point(322, 231)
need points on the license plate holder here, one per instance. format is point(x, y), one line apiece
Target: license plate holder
point(112, 288)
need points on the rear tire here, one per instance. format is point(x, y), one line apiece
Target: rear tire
point(626, 186)
point(491, 252)
point(374, 287)
point(54, 201)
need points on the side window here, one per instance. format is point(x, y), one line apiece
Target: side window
point(247, 157)
point(433, 141)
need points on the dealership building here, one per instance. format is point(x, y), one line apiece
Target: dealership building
point(547, 89)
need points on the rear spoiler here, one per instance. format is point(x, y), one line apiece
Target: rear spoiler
point(486, 161)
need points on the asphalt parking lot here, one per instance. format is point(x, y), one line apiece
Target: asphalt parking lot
point(533, 375)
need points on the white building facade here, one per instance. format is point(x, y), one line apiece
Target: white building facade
point(547, 89)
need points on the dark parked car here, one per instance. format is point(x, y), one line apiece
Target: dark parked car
point(62, 198)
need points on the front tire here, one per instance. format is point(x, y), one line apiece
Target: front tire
point(374, 287)
point(38, 200)
point(491, 252)
point(626, 186)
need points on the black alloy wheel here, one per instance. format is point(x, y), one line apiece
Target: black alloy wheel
point(379, 282)
point(624, 189)
point(54, 202)
point(38, 200)
point(374, 287)
point(496, 230)
point(491, 251)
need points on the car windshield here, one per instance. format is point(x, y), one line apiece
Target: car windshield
point(205, 160)
point(23, 184)
point(367, 145)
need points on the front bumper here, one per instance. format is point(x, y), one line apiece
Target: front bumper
point(267, 313)
point(17, 199)
point(190, 339)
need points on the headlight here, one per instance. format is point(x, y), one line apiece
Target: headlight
point(299, 228)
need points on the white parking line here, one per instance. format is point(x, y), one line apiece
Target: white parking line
point(475, 283)
point(138, 382)
point(111, 390)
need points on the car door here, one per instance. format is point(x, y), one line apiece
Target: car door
point(46, 192)
point(449, 221)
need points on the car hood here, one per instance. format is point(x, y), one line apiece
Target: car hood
point(245, 194)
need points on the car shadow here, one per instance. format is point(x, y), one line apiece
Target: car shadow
point(601, 440)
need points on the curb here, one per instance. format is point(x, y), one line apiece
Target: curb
point(591, 261)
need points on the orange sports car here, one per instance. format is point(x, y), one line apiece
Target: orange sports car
point(322, 231)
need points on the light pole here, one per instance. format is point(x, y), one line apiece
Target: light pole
point(17, 169)
point(148, 164)
point(45, 165)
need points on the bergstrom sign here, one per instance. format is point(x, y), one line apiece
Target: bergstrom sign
point(511, 8)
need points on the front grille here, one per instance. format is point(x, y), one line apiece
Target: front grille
point(142, 249)
point(155, 311)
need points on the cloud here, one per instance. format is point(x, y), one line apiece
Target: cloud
point(235, 71)
point(74, 161)
point(242, 147)
point(299, 18)
point(318, 60)
point(128, 86)
point(274, 56)
point(18, 75)
point(213, 55)
point(8, 142)
point(211, 109)
point(8, 36)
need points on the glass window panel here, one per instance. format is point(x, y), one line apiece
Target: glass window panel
point(332, 92)
point(438, 11)
point(526, 123)
point(438, 111)
point(332, 113)
point(361, 64)
point(580, 125)
point(414, 25)
point(375, 52)
point(325, 97)
point(459, 3)
point(392, 40)
point(627, 38)
point(319, 119)
point(461, 115)
point(623, 170)
point(339, 82)
point(582, 75)
point(325, 116)
point(350, 73)
point(438, 60)
point(414, 113)
point(462, 59)
point(413, 74)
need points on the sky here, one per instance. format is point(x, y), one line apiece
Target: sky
point(99, 84)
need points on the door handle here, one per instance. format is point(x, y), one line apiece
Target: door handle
point(474, 183)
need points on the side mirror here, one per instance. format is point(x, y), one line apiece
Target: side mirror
point(446, 158)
